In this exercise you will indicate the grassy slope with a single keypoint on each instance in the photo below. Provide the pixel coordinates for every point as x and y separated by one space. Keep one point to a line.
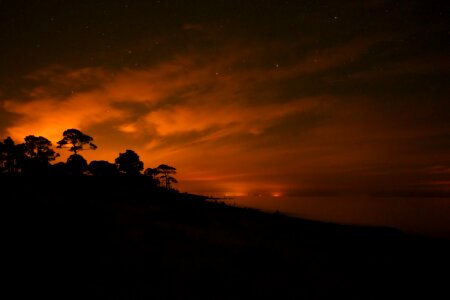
115 239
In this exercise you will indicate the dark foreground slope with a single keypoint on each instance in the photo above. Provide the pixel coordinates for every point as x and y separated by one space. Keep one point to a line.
118 239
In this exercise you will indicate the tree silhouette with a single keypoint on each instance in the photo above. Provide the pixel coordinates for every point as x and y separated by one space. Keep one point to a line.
166 174
75 139
38 153
59 169
102 168
35 155
10 156
76 164
129 163
2 157
153 174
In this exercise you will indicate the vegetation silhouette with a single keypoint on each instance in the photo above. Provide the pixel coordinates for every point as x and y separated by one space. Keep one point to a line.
153 173
102 168
108 231
36 154
166 175
129 163
10 156
76 140
59 169
76 165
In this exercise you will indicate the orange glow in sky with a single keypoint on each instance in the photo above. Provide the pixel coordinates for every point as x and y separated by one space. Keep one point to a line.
299 103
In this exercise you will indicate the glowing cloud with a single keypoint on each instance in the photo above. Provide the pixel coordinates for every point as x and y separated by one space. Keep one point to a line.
237 120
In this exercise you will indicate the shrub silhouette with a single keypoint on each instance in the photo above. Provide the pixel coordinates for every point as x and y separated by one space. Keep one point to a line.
76 164
102 168
59 169
129 163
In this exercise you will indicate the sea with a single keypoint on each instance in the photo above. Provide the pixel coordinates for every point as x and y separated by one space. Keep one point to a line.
421 216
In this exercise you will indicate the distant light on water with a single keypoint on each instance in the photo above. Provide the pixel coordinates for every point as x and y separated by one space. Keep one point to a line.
276 194
235 194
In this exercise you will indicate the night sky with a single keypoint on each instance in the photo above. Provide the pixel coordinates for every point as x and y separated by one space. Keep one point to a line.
242 97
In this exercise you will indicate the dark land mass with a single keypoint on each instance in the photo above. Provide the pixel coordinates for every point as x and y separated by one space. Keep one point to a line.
118 238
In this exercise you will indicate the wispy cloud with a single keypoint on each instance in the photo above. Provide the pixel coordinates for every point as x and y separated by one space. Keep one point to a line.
218 115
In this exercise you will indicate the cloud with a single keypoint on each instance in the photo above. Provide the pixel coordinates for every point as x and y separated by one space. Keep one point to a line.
192 26
50 116
238 115
128 128
187 93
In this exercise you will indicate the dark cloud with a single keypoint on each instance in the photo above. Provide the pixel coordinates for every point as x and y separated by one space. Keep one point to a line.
6 120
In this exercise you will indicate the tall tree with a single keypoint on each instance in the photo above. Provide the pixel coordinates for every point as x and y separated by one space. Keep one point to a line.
153 174
2 158
166 175
76 140
38 153
10 156
129 163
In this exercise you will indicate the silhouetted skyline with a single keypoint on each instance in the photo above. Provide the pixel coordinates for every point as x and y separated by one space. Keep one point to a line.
32 159
242 96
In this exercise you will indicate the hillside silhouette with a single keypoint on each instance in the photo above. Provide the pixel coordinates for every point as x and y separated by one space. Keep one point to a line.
104 230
